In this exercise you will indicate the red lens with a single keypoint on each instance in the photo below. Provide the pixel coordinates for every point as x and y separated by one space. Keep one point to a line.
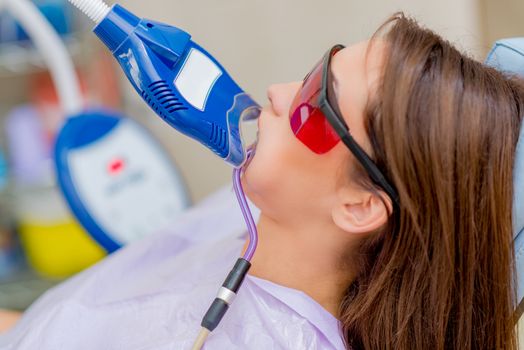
307 121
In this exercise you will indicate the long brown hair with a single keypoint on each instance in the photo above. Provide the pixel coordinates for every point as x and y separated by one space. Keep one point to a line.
444 129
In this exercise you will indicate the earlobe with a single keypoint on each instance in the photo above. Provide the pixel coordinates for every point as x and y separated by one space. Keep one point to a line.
360 215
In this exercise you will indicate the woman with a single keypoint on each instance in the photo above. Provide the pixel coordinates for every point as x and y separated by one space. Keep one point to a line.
433 271
401 234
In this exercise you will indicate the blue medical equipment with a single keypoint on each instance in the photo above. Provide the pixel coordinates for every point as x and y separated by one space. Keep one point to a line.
119 182
117 179
177 78
507 55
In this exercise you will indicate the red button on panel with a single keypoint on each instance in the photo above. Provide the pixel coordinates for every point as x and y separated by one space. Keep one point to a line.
115 166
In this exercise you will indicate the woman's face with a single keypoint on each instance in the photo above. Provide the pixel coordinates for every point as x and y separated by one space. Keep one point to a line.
286 180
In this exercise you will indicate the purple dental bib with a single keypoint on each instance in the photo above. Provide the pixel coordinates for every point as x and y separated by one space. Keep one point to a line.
152 295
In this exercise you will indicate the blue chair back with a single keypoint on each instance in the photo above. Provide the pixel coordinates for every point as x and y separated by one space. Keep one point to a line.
507 55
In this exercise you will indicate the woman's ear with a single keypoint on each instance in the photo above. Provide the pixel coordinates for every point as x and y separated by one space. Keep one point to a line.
359 211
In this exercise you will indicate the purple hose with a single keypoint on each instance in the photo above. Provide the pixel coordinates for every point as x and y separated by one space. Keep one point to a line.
244 206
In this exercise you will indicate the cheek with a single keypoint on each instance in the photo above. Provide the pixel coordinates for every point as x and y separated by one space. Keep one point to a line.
271 184
285 175
271 165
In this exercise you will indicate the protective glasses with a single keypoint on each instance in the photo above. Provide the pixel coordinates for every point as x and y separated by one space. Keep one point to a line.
318 124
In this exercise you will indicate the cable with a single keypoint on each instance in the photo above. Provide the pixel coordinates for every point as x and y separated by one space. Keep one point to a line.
234 280
94 9
244 206
201 339
53 51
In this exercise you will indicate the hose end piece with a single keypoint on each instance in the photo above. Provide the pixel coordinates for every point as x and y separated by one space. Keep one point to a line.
96 10
116 26
225 295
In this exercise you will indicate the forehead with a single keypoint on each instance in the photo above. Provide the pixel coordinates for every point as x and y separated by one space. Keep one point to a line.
356 70
356 73
364 58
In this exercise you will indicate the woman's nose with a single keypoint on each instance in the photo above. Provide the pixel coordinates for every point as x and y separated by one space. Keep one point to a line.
281 96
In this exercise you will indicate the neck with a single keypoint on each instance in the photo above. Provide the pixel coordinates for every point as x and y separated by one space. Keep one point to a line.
301 259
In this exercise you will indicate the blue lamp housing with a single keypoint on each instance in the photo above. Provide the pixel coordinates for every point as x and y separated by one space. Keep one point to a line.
180 81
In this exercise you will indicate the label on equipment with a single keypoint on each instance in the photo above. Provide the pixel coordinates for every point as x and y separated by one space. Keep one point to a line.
197 78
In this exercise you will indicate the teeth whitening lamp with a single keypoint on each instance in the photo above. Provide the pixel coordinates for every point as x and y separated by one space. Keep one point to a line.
192 92
177 78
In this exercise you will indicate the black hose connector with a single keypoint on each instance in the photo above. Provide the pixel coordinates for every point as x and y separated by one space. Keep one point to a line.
219 307
214 314
236 276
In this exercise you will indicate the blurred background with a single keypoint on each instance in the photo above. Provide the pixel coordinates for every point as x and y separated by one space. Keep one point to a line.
259 42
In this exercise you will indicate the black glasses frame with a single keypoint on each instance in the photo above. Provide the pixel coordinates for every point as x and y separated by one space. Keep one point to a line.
341 128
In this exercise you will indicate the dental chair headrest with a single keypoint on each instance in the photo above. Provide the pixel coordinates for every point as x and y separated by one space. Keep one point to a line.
507 56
